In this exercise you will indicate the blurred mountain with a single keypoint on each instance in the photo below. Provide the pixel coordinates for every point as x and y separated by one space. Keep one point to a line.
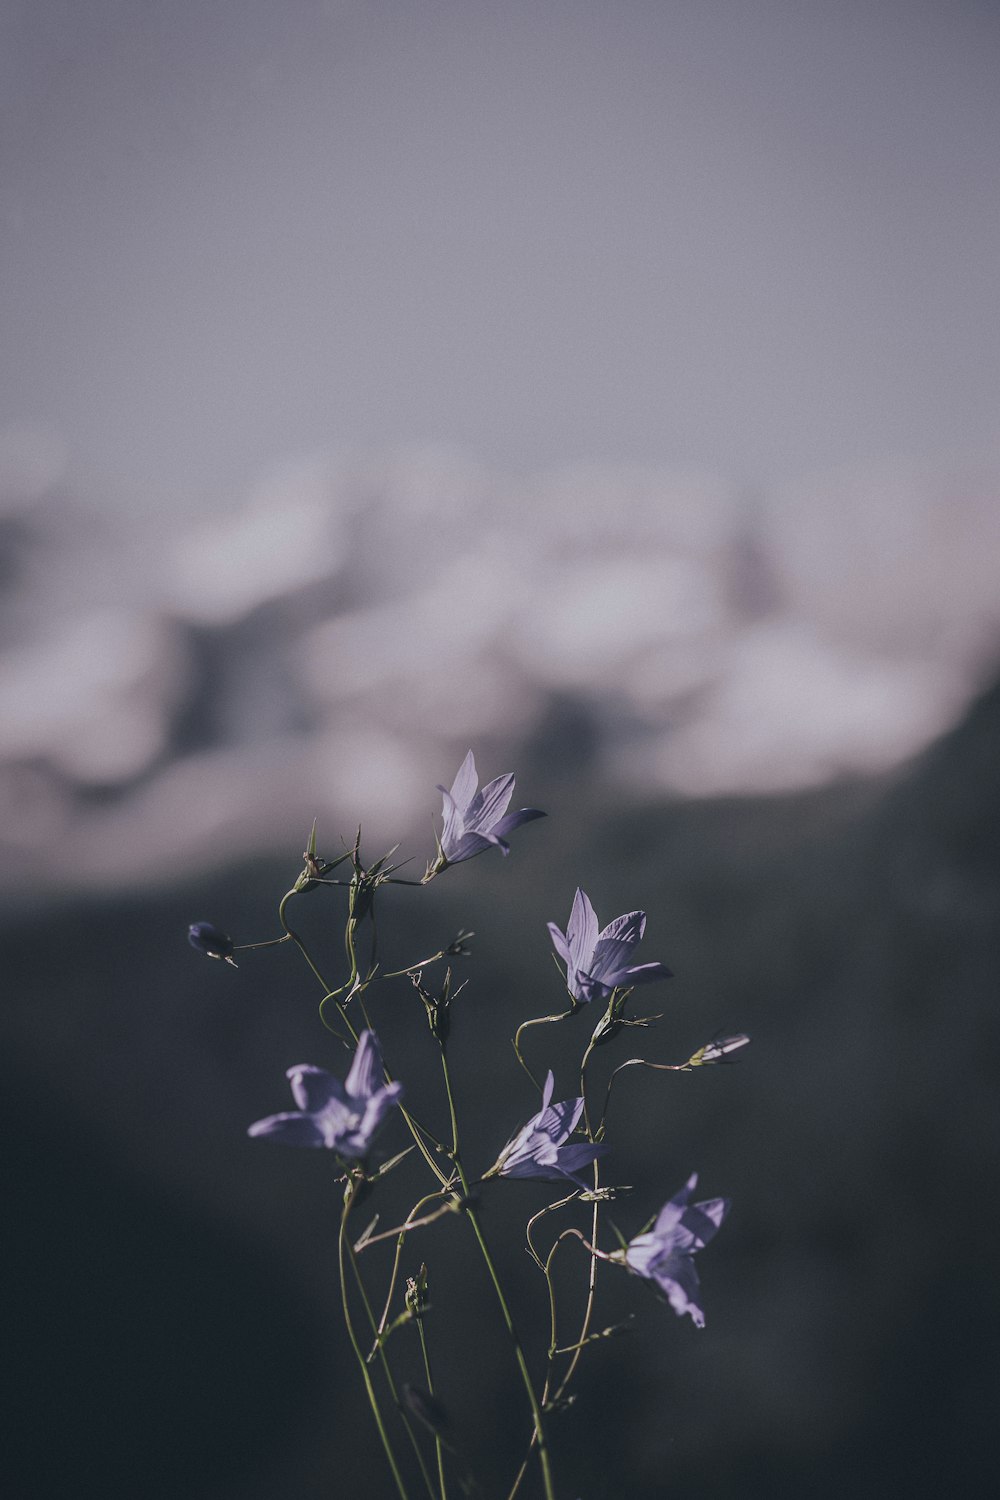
173 696
177 1331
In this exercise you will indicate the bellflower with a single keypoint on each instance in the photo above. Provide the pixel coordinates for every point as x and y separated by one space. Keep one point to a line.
598 962
540 1150
666 1254
476 820
343 1117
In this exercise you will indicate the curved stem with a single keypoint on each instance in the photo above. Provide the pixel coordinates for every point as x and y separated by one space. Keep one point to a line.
537 1021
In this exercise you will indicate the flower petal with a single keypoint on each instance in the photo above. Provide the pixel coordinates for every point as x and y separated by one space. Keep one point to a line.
670 1214
679 1279
489 806
629 927
581 930
290 1129
558 1121
463 788
464 846
366 1070
559 942
538 1161
641 1252
703 1220
613 948
638 974
571 1160
313 1088
377 1108
514 820
454 826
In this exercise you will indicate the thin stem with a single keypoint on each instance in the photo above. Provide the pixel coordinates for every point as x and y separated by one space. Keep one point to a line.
519 1356
635 1062
331 994
438 1445
537 1021
403 1229
595 1216
547 1270
412 968
395 1265
362 1366
548 1209
390 1382
267 943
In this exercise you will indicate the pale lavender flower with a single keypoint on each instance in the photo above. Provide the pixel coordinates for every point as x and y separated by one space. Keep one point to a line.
666 1254
540 1150
598 962
476 820
343 1117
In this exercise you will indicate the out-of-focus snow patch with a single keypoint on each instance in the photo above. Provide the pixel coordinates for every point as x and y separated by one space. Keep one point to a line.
375 774
893 559
93 699
292 533
588 508
587 619
440 629
788 711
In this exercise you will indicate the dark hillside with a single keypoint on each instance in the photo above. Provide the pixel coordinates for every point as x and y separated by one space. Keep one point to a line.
176 1328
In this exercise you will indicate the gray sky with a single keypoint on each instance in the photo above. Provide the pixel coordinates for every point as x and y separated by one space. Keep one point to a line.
762 237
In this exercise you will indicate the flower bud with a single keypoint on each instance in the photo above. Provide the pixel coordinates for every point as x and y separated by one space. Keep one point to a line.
719 1050
211 941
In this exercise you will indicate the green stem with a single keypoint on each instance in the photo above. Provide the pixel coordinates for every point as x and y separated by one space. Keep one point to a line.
362 1366
592 1281
546 1266
387 1371
331 994
438 1446
536 1021
522 1364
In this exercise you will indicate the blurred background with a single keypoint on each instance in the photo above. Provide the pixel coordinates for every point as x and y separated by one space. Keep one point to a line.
612 389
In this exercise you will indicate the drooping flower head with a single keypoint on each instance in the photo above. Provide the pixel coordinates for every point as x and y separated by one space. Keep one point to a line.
211 941
476 820
598 962
343 1117
666 1254
540 1150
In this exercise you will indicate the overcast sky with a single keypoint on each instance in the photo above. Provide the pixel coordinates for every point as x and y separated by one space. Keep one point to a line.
755 236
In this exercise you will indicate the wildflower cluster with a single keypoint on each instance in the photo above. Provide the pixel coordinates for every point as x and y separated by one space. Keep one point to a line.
564 1143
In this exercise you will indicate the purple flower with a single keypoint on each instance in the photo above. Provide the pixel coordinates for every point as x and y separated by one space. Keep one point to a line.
666 1254
474 820
343 1117
211 940
598 962
539 1149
